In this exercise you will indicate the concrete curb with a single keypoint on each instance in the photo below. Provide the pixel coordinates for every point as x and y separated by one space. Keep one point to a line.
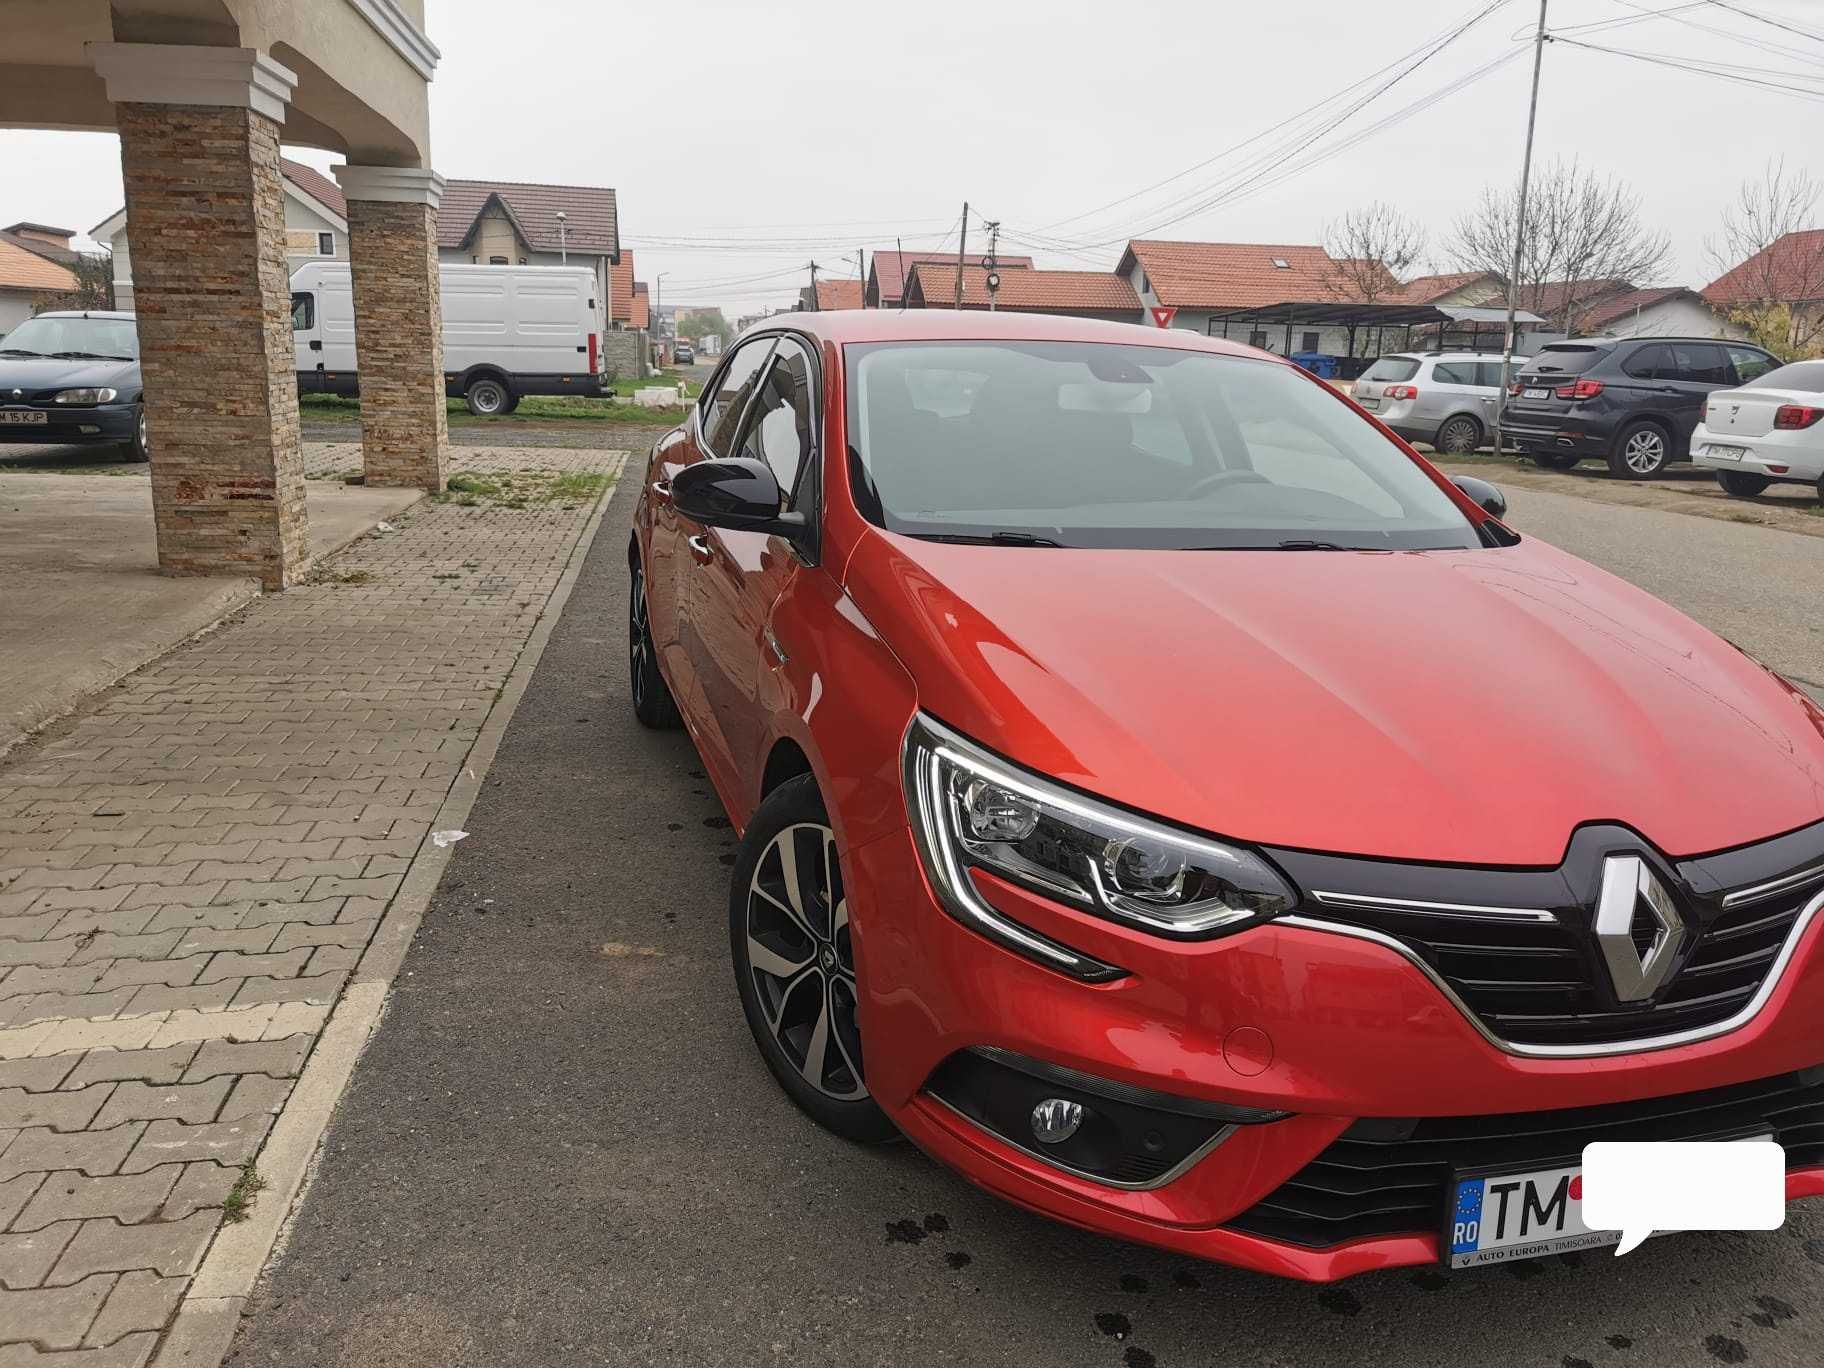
203 1330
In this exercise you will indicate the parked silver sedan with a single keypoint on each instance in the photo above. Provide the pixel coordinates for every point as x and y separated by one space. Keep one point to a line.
1446 399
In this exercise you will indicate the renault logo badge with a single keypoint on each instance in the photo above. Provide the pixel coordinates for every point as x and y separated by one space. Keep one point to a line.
1631 892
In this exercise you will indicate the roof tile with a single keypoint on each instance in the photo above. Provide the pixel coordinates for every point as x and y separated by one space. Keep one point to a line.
933 285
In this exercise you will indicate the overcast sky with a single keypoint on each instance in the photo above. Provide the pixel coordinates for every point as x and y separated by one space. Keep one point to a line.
807 129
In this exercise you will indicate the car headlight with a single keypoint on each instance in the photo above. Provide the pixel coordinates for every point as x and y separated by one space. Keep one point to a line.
971 809
85 396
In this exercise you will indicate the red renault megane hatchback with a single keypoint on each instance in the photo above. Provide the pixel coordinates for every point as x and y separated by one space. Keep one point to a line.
1175 805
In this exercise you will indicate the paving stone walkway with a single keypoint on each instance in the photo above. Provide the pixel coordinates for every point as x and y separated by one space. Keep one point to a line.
190 870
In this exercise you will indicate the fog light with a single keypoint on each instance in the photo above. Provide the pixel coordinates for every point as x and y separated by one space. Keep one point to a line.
1055 1120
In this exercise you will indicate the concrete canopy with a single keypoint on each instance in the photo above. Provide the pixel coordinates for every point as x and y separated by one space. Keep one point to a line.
362 65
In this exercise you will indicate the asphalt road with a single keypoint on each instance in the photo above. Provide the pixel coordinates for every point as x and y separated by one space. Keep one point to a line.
561 1147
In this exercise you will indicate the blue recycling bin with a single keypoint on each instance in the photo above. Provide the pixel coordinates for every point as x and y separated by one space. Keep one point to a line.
1321 364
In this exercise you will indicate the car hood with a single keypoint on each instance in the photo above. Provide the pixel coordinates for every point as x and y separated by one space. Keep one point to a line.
1453 706
30 373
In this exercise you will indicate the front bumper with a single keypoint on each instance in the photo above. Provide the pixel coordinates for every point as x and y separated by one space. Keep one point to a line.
1326 1027
69 425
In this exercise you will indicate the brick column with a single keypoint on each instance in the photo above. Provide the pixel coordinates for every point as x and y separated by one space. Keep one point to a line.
392 247
199 150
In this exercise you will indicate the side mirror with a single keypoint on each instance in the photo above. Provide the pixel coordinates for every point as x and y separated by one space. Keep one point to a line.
741 495
1487 497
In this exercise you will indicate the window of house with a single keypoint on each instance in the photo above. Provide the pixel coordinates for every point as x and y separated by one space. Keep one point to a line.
497 261
1257 338
1308 341
1281 264
326 244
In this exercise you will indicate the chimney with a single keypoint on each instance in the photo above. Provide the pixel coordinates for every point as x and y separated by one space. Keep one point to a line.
40 232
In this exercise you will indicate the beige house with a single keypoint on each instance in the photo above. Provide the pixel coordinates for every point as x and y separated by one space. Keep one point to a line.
30 271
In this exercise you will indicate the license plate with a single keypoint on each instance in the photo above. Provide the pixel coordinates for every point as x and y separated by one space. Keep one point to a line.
1519 1216
1368 403
1725 453
1536 393
22 417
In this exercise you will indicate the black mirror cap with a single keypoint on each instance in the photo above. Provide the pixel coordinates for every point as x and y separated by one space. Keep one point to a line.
739 494
1488 498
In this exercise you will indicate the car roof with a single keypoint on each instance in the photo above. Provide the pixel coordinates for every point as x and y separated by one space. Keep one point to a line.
87 313
841 326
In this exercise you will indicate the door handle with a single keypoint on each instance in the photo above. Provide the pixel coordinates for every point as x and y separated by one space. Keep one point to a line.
700 550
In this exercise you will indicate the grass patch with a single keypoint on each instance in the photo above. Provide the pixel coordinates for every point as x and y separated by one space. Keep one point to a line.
549 410
241 1197
522 489
350 577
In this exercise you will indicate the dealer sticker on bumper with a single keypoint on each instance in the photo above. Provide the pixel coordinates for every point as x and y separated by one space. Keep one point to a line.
1519 1216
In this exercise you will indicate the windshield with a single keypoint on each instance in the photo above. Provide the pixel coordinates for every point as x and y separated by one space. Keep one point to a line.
1804 376
1110 445
49 336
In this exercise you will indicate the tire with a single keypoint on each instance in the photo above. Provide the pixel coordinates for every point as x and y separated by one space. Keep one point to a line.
512 404
794 961
1642 451
1552 460
1458 435
653 704
1741 484
486 397
137 448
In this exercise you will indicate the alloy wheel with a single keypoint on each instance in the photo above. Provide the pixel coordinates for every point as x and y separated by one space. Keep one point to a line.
639 639
1460 437
802 959
144 447
1645 451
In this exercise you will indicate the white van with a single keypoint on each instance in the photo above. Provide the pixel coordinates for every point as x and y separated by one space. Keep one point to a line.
508 331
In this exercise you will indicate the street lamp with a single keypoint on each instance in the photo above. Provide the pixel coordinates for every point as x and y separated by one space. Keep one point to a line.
563 246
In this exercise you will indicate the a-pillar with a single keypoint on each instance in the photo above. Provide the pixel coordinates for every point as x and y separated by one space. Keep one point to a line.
199 149
392 248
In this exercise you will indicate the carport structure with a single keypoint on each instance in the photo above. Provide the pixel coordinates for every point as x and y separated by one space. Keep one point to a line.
1446 326
200 92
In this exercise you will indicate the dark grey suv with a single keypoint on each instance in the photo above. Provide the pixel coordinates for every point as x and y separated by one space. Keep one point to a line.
1632 401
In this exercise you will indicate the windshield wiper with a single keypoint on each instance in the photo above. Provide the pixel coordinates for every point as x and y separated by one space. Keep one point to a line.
86 356
988 539
18 351
1290 544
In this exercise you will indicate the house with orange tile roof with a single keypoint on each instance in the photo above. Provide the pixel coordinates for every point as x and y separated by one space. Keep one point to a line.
889 273
831 294
27 279
1077 294
1789 272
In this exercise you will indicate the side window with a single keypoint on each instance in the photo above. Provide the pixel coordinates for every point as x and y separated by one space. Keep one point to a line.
1701 363
1488 373
1749 363
303 312
1651 363
1454 373
722 409
779 425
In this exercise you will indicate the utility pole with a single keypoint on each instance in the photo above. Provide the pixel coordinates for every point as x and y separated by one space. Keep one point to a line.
962 245
813 307
861 274
1513 279
994 262
563 242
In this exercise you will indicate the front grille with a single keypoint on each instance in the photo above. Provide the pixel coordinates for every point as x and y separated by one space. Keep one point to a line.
1536 983
1392 1177
1521 950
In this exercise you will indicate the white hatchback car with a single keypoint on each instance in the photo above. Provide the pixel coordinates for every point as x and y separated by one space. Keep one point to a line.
1767 430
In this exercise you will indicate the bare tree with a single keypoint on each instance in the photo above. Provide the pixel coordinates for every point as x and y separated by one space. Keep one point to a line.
1371 249
1769 267
94 272
1583 237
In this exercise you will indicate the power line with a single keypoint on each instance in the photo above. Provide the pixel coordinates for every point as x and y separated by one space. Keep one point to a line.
1677 16
1695 67
1445 38
1765 19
